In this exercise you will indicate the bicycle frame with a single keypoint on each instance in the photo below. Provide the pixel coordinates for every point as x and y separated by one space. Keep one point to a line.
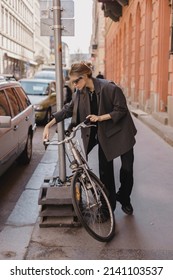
82 164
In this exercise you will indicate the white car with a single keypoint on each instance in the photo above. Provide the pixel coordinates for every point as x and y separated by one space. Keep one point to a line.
17 125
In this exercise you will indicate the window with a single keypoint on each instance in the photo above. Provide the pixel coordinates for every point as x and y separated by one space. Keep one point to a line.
23 97
171 29
2 19
14 101
171 50
4 106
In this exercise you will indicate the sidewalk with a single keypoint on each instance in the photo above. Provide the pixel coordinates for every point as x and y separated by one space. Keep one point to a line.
164 131
22 238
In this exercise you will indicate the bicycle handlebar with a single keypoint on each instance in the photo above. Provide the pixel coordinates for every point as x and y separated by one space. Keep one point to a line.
71 134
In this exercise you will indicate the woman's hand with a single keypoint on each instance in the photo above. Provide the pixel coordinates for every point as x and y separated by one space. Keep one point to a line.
94 118
46 129
46 133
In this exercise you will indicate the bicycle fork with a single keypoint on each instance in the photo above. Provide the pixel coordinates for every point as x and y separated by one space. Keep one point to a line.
89 185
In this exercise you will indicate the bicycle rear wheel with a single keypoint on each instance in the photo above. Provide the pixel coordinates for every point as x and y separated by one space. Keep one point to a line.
92 206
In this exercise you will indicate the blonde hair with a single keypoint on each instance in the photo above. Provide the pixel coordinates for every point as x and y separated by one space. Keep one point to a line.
81 68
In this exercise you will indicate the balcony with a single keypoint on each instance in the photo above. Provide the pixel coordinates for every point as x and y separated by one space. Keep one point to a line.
121 2
113 8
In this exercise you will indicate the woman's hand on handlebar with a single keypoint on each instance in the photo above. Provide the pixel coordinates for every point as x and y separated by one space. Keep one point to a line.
92 118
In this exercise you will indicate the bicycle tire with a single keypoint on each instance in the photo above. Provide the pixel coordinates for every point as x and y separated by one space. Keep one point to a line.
91 213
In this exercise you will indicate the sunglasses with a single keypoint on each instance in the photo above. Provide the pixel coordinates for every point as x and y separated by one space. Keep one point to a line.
77 80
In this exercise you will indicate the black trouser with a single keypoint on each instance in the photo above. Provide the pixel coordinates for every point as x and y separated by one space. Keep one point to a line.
126 177
106 170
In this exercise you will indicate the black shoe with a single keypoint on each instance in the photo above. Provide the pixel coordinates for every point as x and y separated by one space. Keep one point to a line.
127 208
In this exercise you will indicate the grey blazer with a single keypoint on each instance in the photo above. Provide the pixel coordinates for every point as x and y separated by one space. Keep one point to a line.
117 135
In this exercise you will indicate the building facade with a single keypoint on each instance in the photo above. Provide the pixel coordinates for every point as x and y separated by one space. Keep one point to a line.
97 48
20 40
139 52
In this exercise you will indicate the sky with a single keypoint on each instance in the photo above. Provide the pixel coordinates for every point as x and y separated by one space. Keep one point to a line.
83 27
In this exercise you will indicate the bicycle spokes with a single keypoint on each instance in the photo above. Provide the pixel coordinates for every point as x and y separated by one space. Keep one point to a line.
93 208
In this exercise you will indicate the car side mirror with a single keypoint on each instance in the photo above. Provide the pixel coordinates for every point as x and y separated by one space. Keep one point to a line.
5 121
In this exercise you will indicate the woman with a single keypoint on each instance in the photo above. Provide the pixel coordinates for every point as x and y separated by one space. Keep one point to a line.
104 103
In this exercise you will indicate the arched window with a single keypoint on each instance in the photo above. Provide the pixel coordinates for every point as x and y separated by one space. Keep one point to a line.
163 54
137 52
129 55
147 55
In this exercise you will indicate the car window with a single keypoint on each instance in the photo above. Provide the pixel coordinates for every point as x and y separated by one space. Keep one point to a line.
4 106
14 101
45 75
34 87
23 97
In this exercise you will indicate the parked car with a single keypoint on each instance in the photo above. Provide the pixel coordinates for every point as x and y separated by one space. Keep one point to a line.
46 74
17 125
42 94
48 68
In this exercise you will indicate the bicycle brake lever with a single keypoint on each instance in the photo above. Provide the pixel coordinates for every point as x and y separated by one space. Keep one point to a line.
87 121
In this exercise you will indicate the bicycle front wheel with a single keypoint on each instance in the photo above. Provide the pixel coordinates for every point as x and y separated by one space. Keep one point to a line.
92 206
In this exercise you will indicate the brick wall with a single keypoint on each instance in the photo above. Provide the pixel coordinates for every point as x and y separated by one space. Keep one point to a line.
138 53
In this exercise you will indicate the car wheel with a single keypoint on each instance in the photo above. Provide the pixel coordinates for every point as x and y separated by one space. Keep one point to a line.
26 155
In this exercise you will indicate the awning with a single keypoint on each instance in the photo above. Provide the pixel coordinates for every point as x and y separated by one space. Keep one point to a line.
15 56
18 57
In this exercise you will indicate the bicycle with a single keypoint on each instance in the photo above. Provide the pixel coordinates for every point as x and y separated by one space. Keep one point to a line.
89 195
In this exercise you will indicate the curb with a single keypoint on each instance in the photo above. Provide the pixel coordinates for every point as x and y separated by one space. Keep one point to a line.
164 131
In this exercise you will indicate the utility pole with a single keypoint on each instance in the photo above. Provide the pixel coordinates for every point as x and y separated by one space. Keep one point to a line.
59 84
56 26
60 24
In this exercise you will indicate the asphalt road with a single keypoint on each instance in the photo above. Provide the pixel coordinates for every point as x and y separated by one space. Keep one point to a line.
13 182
